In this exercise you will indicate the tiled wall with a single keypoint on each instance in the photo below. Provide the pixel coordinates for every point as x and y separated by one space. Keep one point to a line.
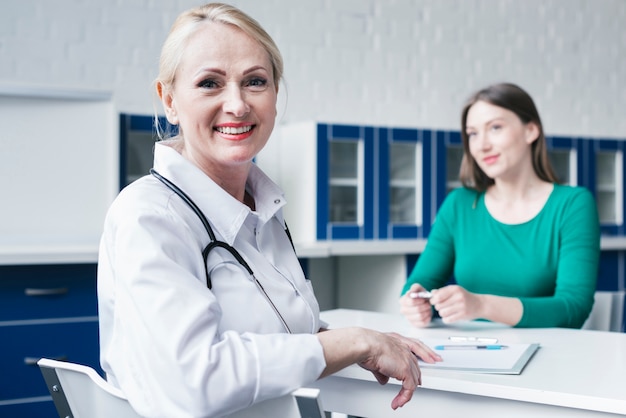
392 62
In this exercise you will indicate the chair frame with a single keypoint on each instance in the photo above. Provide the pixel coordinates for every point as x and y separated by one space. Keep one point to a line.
608 313
109 399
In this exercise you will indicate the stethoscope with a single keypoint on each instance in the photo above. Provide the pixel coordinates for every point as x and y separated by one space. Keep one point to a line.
215 243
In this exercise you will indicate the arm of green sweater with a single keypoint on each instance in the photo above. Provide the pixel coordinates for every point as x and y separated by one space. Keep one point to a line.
579 253
435 265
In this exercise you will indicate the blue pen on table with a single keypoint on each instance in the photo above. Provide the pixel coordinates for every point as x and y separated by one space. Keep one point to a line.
471 347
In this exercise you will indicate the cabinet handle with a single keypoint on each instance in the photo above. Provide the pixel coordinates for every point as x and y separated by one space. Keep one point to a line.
46 292
32 361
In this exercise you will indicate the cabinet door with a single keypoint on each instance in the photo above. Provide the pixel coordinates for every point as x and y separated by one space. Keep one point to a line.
401 183
45 311
565 158
38 408
72 341
606 178
47 291
137 137
345 182
448 155
453 158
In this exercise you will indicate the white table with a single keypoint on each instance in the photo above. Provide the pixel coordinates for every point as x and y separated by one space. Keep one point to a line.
574 374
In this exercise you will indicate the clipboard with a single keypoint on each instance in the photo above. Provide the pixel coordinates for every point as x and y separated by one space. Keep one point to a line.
510 360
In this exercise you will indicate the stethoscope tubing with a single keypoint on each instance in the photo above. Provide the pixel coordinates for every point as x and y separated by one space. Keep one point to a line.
215 243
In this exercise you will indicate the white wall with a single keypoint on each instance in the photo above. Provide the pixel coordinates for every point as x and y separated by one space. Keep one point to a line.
391 62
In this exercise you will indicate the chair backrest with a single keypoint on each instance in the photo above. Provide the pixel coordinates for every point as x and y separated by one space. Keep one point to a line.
80 392
608 312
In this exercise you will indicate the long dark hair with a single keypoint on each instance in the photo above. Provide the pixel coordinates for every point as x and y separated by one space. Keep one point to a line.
513 98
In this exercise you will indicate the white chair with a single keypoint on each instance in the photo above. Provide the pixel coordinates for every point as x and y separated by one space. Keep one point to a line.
608 312
80 392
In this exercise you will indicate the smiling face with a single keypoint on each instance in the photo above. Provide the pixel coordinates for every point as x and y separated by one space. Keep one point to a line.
223 99
499 141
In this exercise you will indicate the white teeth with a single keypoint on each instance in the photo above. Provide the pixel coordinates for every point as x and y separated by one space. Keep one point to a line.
234 131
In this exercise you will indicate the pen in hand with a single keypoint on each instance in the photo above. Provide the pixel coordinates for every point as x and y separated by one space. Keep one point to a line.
420 295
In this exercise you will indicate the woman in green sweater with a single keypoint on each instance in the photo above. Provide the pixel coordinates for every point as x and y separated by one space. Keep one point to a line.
523 249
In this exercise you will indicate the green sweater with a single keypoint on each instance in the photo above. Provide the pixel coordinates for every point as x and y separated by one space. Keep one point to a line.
550 262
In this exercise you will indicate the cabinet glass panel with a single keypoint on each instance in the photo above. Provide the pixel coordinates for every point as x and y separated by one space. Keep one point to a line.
608 186
343 204
454 156
564 165
345 190
139 154
344 160
137 138
403 182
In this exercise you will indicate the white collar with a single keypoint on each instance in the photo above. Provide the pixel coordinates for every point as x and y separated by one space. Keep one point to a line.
225 213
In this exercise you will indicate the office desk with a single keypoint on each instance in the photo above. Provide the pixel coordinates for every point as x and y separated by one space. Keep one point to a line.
573 374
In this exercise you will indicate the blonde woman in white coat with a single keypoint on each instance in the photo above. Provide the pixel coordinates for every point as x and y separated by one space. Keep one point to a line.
187 334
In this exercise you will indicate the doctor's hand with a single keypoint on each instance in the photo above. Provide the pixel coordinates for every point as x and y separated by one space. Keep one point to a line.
386 355
393 355
416 310
454 303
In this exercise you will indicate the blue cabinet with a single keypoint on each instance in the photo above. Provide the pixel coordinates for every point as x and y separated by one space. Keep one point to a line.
606 181
45 311
349 182
344 182
596 164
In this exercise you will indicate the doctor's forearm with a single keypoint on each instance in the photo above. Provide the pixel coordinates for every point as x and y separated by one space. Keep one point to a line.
343 347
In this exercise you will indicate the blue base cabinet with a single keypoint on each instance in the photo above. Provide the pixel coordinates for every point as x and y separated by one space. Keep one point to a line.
45 311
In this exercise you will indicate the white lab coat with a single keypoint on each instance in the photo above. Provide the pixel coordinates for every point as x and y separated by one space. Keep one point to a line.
176 348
